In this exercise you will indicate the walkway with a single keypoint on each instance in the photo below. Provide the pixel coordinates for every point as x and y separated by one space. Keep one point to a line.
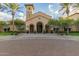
39 36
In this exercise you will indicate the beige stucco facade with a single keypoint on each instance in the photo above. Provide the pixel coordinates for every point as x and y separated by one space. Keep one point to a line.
35 19
74 16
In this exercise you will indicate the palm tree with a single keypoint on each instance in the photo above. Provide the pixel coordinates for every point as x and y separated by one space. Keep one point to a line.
66 8
67 22
76 6
10 7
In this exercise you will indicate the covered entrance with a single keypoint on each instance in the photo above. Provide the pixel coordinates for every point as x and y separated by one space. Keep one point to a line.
39 27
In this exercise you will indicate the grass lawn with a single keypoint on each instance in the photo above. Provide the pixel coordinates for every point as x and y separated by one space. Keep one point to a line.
74 34
7 33
15 33
70 33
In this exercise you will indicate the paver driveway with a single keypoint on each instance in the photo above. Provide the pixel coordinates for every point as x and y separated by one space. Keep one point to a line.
39 44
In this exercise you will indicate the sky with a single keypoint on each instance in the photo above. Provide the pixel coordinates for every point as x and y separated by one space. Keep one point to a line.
48 8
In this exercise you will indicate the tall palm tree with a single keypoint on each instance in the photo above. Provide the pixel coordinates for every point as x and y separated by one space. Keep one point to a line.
10 7
65 8
76 6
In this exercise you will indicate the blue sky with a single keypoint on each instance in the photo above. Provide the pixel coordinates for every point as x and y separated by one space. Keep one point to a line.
48 8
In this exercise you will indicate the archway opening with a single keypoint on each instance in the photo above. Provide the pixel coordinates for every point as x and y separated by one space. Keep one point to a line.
39 27
31 28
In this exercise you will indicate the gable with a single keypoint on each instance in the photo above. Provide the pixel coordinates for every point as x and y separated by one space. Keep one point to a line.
35 20
39 14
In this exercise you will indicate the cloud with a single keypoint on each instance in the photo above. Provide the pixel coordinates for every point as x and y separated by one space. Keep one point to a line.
5 16
56 12
50 7
52 11
21 16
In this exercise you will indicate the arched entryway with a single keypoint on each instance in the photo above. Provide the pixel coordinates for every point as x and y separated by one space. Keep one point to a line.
39 27
31 28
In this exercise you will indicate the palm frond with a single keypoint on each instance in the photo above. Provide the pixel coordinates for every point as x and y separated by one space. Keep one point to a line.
65 8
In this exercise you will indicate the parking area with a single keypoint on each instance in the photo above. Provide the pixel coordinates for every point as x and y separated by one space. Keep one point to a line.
39 45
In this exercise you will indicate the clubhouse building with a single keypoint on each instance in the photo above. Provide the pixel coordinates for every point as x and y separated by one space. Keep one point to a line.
38 22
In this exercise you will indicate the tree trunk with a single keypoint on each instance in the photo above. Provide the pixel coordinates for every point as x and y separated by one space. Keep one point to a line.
67 17
13 25
67 11
67 31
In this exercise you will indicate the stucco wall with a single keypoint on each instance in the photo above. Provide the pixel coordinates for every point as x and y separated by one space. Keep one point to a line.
75 17
34 21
